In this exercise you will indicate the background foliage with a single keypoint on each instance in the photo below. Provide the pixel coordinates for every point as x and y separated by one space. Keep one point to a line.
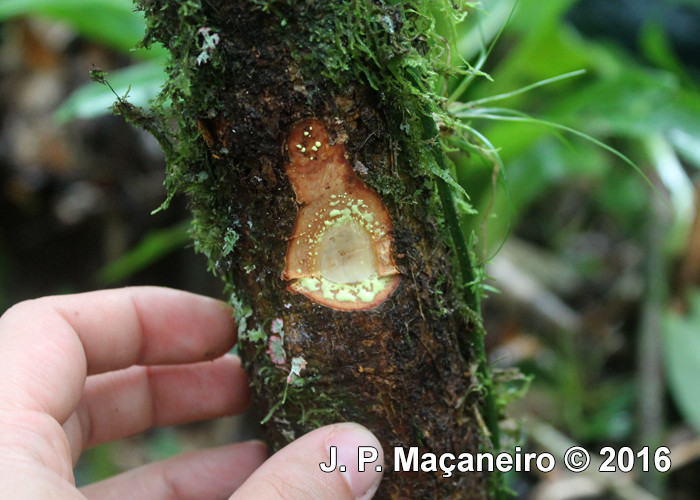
597 279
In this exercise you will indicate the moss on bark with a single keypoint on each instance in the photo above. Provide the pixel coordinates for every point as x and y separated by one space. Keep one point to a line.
242 73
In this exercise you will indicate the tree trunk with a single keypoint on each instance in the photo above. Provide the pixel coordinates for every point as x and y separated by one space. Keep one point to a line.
301 141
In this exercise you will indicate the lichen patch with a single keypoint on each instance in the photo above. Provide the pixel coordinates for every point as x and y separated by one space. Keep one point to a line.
340 251
275 349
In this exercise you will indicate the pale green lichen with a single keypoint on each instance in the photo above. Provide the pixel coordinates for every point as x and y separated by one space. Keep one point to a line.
276 350
255 335
298 364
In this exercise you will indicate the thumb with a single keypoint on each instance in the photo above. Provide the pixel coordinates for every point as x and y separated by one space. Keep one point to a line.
294 472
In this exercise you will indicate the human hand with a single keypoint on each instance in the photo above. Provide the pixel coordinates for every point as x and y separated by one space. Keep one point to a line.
80 370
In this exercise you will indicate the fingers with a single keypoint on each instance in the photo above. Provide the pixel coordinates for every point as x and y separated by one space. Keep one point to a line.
294 473
122 403
49 344
208 474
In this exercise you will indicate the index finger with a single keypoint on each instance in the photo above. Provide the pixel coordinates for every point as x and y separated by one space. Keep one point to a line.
49 345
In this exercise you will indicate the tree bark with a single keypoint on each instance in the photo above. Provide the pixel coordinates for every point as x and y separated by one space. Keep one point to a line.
246 79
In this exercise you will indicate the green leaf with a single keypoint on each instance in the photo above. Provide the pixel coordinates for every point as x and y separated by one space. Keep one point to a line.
142 81
681 338
681 192
515 116
540 46
635 103
657 47
446 176
687 145
153 247
112 22
522 90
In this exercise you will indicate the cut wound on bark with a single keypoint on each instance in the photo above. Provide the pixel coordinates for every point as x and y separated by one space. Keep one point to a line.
340 251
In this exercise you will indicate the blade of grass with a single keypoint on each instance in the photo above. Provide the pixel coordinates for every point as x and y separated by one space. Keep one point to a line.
527 88
502 176
487 114
473 41
462 87
113 22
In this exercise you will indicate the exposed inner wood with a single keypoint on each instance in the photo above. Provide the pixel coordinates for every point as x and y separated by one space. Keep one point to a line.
340 253
347 254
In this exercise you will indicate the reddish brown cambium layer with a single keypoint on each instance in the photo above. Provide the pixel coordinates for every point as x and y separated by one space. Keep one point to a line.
339 254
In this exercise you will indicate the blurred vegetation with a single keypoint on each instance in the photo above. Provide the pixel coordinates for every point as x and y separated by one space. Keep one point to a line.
598 271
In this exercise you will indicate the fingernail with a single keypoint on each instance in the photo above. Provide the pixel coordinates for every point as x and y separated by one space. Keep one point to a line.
348 438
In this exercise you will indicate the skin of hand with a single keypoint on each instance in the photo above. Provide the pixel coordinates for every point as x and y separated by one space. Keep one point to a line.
80 370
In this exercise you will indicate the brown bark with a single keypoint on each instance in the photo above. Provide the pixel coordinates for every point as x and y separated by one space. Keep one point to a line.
402 368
